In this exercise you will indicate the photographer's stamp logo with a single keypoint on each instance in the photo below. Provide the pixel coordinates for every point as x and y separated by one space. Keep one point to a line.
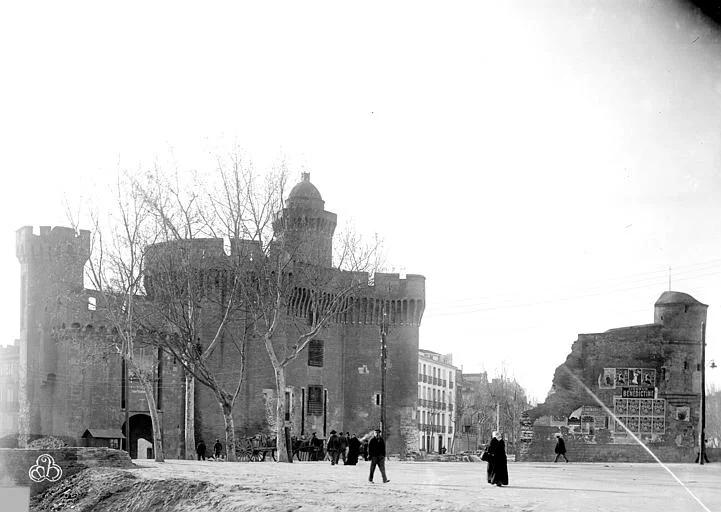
45 469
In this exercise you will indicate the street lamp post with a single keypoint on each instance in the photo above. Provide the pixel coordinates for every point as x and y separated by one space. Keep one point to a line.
384 357
702 419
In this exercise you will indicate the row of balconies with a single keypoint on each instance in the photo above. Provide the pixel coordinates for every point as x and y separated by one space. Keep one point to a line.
427 427
433 404
434 380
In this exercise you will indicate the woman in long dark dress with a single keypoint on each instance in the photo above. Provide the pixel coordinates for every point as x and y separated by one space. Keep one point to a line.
497 463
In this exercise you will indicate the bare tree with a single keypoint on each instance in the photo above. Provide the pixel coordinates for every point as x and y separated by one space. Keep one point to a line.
713 415
115 270
195 290
288 299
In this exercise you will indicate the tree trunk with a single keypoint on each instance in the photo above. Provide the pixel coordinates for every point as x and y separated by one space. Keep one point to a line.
157 434
229 431
189 416
280 416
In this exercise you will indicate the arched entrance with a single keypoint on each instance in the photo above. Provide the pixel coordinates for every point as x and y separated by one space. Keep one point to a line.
141 427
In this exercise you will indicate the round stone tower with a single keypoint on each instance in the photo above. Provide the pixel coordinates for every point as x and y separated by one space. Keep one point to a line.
304 230
681 315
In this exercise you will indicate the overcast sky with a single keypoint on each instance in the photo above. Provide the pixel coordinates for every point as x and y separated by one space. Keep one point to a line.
541 163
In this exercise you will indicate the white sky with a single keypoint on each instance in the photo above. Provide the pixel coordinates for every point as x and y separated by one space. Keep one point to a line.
541 163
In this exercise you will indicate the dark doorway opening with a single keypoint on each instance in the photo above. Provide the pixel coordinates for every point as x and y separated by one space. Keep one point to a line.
141 427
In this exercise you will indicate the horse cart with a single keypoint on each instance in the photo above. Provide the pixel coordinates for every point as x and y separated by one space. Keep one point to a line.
256 448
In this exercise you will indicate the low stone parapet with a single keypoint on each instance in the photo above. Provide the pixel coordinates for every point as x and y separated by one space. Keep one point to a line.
39 469
543 451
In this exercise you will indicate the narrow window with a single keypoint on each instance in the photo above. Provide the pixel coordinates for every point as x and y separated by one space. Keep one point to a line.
315 353
315 400
159 384
378 398
92 304
302 411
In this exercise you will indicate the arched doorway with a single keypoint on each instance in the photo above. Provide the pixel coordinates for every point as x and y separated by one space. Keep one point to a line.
141 427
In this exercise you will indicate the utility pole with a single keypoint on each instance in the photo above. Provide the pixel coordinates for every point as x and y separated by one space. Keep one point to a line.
702 419
384 356
498 416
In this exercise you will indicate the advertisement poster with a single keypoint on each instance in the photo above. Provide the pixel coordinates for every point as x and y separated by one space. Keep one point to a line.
683 413
621 377
648 377
607 379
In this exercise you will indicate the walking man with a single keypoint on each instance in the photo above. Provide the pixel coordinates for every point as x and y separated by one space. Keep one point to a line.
377 454
217 449
560 448
333 448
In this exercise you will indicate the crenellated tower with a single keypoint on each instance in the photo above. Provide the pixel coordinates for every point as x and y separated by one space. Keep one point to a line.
51 270
304 229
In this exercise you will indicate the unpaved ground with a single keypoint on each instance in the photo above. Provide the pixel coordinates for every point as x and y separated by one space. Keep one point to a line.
317 486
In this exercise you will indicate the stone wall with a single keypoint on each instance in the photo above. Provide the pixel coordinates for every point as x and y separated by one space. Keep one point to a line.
15 464
645 375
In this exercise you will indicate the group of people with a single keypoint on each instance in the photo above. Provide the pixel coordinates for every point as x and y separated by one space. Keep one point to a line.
217 450
344 447
347 448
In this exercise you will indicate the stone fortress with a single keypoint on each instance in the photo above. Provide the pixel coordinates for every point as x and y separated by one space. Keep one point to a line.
334 384
648 376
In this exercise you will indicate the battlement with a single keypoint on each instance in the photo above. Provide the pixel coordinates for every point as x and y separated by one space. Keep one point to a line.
414 285
53 244
388 298
203 252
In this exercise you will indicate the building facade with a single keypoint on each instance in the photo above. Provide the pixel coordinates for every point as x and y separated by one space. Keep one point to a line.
334 384
437 379
626 386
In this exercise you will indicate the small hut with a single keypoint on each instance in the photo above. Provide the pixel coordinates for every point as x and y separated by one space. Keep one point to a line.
103 438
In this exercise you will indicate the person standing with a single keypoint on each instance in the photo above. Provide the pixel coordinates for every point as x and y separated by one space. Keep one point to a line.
560 448
497 471
200 449
343 443
354 445
317 448
333 448
217 449
377 454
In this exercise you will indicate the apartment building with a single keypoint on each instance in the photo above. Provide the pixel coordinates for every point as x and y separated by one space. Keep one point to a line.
436 401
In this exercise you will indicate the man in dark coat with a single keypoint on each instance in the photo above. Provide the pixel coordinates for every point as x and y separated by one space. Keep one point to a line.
354 446
217 449
317 445
497 471
333 448
560 448
377 454
343 442
200 449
